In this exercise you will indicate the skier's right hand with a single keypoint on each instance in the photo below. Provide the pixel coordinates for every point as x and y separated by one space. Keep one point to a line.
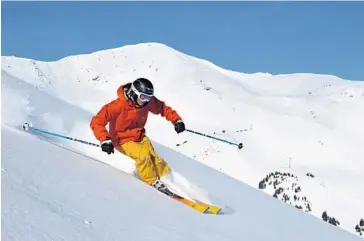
107 146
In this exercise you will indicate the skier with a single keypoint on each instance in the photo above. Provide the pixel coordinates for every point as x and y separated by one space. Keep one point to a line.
127 116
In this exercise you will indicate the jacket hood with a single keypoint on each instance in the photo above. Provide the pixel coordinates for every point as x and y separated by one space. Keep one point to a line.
120 92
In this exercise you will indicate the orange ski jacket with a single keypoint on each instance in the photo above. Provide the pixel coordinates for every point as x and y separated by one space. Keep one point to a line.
126 122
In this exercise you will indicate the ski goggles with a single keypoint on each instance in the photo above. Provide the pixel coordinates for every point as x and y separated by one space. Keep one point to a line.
142 96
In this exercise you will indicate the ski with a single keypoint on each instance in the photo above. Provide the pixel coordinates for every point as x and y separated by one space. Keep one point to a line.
194 205
210 208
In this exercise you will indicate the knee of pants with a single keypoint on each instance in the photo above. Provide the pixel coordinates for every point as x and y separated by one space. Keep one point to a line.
144 155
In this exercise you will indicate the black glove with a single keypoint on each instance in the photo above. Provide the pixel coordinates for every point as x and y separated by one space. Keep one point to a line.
179 126
107 146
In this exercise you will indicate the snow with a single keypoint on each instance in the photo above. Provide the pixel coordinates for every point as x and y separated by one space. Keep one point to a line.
297 123
52 194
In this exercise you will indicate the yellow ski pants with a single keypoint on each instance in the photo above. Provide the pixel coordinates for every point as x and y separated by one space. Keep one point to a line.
148 164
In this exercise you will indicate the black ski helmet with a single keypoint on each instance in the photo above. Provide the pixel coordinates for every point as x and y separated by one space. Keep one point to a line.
141 88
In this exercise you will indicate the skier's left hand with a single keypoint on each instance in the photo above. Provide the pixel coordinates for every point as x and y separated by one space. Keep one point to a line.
179 126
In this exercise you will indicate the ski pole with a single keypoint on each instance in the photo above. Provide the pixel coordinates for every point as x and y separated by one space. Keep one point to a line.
26 127
240 145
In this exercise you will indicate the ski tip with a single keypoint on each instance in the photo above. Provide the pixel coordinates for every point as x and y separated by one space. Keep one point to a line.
214 210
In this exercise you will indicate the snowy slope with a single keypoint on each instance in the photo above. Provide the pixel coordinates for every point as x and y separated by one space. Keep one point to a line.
299 123
52 194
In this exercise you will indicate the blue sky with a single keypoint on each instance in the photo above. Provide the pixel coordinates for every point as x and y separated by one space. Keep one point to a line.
274 37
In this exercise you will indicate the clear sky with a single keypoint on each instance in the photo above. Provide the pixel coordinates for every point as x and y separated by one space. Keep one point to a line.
274 37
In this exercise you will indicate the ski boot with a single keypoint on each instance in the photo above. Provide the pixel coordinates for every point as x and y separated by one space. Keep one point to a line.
159 185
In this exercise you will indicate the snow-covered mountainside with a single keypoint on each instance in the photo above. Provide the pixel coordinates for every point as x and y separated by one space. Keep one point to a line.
49 193
302 134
